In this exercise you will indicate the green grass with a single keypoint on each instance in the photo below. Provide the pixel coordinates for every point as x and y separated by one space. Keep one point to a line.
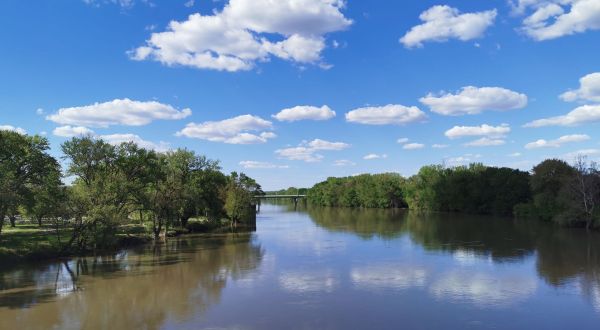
31 242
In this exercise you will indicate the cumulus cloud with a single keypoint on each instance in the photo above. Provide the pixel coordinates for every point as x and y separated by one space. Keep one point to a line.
483 130
232 131
391 114
403 140
589 89
441 23
551 19
343 162
71 131
485 142
251 164
117 112
13 129
246 32
307 151
375 156
582 115
558 142
472 100
413 146
305 112
116 139
318 144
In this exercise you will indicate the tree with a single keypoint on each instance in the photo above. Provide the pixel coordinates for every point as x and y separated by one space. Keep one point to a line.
582 193
239 193
24 163
548 180
46 198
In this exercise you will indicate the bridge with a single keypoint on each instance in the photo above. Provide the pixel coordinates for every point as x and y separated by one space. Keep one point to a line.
294 198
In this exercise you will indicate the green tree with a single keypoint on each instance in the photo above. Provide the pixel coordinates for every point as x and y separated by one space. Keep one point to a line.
24 163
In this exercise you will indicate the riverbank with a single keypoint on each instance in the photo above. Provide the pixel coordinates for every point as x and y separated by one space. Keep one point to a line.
30 243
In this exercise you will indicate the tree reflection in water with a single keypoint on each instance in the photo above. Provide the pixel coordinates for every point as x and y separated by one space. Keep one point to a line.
131 290
563 256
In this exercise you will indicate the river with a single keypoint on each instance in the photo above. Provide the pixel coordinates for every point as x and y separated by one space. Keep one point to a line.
325 268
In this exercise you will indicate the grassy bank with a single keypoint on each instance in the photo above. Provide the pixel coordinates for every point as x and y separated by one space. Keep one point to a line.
28 242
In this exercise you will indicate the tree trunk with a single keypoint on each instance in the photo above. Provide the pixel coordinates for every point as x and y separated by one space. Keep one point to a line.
2 215
13 221
39 221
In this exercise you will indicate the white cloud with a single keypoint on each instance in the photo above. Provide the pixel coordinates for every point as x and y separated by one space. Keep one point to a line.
307 151
473 100
343 162
439 146
116 139
318 144
117 112
375 156
403 140
251 164
232 131
551 19
558 142
40 111
71 131
246 32
300 153
441 23
485 142
305 112
584 114
391 114
189 3
13 129
589 89
483 130
516 154
413 146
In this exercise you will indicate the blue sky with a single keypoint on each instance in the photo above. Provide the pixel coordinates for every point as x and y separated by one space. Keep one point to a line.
505 83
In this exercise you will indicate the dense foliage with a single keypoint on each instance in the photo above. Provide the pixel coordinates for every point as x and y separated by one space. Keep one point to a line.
565 194
112 186
371 191
471 189
554 191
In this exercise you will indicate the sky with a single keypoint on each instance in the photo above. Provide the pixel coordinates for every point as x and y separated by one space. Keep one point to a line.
294 91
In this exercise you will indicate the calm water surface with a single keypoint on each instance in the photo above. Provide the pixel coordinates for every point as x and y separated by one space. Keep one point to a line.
325 269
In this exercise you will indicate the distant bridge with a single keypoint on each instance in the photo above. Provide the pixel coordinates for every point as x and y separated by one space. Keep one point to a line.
279 196
294 198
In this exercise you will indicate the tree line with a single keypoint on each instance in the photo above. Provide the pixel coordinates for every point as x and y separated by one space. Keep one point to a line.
553 191
114 185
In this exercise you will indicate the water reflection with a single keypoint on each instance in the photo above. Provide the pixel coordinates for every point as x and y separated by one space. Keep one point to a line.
563 256
322 280
483 289
138 289
388 276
